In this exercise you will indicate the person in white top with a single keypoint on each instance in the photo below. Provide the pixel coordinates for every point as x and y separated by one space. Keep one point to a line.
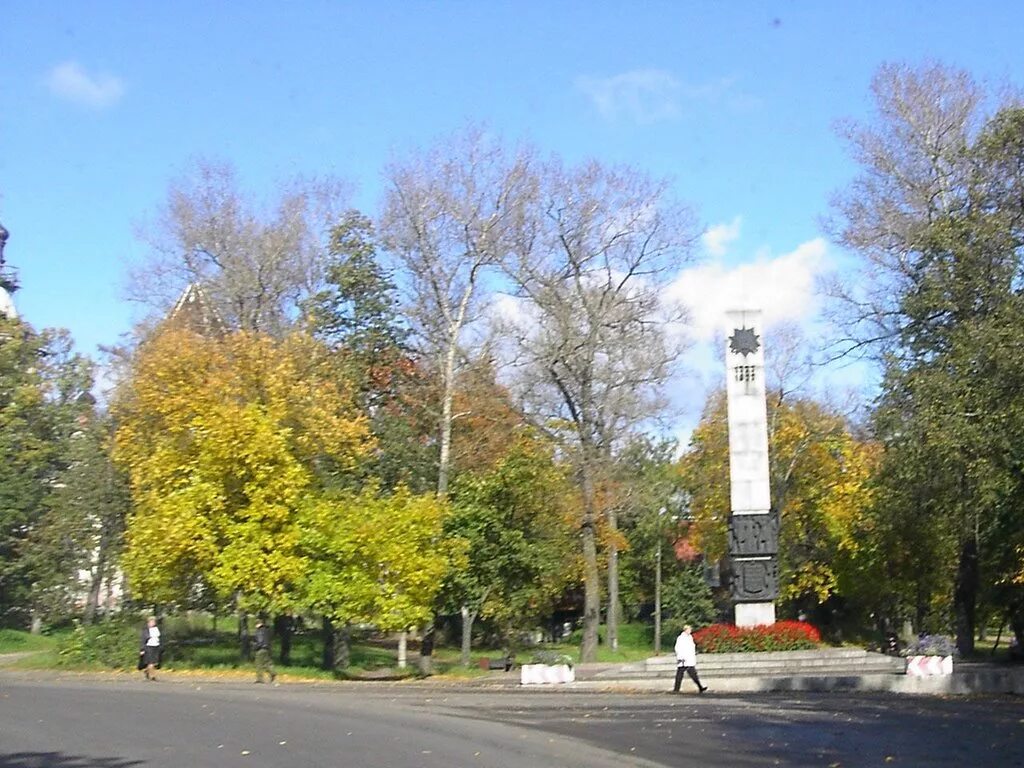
686 659
150 650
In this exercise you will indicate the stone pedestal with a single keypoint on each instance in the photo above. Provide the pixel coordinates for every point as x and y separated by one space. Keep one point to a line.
753 527
755 614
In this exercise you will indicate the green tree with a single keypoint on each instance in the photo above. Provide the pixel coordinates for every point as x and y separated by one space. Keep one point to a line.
516 520
74 549
936 215
688 599
41 385
649 497
357 314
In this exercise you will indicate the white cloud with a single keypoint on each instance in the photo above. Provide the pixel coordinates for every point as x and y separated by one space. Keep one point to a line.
651 95
643 95
717 239
783 287
70 81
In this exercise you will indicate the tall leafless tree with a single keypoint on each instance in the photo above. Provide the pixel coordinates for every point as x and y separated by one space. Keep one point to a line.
447 214
592 346
914 169
257 264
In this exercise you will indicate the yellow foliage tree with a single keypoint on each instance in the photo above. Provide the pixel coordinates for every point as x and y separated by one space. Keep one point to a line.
820 483
376 558
224 438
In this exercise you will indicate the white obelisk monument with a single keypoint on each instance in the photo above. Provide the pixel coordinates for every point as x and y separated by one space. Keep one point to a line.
753 526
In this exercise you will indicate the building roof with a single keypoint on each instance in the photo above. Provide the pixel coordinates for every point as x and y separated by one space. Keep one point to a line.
195 312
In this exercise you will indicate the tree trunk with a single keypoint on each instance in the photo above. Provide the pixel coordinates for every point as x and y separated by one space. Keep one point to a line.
657 594
342 648
468 617
447 396
403 644
1016 620
613 581
427 650
965 596
591 576
327 637
244 646
283 626
95 588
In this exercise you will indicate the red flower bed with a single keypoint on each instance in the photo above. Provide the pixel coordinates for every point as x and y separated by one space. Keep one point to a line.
780 636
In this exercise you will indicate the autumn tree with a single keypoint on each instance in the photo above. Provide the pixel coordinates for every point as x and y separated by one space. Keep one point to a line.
223 439
445 220
488 423
820 476
257 263
373 558
591 344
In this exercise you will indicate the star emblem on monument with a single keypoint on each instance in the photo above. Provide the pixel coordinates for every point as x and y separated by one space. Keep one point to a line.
744 341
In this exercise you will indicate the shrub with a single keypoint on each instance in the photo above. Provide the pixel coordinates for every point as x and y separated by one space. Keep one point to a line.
930 645
687 598
781 636
552 658
113 644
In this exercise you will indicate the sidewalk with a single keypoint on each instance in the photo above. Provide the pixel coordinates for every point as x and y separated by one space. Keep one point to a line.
967 678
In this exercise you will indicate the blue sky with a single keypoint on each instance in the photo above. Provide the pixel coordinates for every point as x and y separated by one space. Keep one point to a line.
102 103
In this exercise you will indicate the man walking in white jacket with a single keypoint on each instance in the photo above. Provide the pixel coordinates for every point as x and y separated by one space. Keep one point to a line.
686 659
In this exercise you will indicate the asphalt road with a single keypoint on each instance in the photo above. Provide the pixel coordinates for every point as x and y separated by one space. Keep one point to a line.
73 723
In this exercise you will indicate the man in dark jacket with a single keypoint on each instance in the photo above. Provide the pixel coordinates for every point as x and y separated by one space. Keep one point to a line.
264 665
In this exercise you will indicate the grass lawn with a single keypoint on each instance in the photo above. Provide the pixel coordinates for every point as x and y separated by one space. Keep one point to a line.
200 648
41 649
195 643
15 641
636 643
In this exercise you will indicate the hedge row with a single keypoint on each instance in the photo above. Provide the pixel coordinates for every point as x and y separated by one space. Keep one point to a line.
780 636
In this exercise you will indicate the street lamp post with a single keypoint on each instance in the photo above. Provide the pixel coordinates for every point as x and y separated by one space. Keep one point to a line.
657 587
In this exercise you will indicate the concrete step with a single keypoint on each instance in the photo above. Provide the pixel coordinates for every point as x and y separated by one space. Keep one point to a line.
817 654
753 672
823 662
990 680
883 663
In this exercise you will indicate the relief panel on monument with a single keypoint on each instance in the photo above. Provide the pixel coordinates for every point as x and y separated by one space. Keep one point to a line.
755 580
751 535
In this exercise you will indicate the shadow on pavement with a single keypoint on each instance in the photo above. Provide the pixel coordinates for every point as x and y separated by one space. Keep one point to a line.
61 760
